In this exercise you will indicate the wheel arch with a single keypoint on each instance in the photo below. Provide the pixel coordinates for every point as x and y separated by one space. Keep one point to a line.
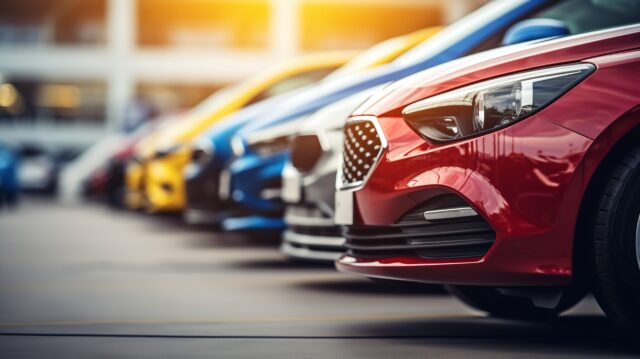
606 150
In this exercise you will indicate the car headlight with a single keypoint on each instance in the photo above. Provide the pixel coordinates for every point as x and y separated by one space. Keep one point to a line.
491 104
268 147
202 151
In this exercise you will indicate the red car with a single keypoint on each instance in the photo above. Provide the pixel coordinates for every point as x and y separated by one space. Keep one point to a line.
512 175
107 182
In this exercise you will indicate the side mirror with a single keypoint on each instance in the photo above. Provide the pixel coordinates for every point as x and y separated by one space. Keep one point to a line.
535 29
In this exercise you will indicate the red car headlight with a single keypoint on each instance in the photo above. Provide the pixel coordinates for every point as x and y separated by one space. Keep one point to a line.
491 104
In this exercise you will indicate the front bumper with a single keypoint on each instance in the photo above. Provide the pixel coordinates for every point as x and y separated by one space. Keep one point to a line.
312 247
312 235
204 206
249 223
164 185
521 180
309 195
252 185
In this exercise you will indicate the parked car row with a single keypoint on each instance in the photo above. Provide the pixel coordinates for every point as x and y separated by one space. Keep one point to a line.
499 156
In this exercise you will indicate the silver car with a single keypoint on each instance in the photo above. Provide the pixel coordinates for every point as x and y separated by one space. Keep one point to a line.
308 184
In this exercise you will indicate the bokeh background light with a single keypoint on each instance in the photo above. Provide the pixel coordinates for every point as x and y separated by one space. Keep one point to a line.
70 70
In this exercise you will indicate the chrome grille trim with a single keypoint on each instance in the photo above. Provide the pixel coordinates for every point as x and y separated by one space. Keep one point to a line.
363 145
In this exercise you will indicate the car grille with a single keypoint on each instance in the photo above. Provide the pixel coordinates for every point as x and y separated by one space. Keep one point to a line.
306 151
202 191
362 146
414 236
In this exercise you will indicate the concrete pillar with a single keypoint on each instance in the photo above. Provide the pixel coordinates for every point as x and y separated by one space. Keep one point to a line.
121 30
285 28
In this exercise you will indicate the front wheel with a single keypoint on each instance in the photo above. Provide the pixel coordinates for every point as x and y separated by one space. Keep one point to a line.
615 242
536 303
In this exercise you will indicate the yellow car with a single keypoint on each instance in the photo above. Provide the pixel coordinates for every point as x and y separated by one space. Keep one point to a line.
162 175
134 198
167 142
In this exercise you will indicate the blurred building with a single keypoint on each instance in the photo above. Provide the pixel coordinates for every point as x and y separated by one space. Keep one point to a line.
71 69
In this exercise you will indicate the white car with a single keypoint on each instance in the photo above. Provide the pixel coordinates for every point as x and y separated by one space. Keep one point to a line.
308 181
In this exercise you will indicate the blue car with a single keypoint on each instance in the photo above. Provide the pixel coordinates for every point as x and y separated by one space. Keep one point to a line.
252 181
9 187
210 153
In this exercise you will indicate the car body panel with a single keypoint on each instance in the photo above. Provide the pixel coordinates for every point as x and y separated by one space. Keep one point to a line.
236 97
202 179
450 43
169 167
526 180
134 188
501 61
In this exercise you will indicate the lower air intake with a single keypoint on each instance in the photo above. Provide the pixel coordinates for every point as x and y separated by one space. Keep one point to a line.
453 230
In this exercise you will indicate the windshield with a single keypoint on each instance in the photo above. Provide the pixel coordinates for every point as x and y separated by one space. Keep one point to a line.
588 15
578 15
459 31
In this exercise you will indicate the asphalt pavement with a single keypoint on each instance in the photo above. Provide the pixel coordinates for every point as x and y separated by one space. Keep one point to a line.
86 281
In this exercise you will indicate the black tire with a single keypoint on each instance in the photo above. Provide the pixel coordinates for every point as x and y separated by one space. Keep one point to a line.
518 303
614 242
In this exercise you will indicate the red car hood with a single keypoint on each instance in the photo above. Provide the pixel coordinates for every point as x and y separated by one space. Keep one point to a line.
498 62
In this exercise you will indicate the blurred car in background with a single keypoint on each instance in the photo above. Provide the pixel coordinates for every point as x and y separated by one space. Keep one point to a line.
77 174
74 176
106 181
513 176
253 180
213 150
39 167
164 158
9 186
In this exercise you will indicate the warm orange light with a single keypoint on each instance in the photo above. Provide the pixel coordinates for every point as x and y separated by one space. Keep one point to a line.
359 24
217 23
